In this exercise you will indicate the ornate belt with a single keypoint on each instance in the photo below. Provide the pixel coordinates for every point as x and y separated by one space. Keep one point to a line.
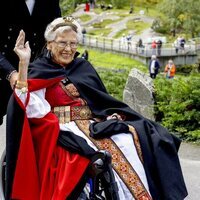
70 113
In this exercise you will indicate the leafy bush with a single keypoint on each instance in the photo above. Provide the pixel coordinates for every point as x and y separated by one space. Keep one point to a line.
160 27
178 104
186 69
114 80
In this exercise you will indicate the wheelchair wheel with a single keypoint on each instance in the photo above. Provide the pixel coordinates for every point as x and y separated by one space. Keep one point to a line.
101 184
102 181
2 175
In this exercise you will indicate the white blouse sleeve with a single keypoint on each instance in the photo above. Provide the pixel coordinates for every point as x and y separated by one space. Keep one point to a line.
37 106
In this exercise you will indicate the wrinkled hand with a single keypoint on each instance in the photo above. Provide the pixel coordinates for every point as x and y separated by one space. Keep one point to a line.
22 49
114 116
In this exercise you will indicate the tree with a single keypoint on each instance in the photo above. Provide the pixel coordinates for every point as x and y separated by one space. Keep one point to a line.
182 15
192 17
118 3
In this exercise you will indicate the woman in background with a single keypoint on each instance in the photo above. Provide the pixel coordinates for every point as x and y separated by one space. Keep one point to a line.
170 70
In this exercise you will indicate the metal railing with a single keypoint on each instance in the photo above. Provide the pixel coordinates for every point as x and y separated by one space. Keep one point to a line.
131 47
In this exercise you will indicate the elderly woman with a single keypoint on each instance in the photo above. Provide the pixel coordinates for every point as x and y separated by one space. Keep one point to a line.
61 114
154 67
170 69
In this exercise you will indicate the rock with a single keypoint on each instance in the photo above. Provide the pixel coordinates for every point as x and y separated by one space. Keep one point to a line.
138 93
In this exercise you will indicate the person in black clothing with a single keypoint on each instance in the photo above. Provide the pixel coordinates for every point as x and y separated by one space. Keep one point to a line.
84 32
153 67
85 55
32 16
182 44
140 46
159 46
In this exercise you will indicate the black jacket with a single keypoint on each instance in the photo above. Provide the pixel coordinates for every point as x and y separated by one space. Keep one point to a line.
15 16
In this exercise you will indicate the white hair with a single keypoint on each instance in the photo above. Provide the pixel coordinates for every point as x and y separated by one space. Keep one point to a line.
61 24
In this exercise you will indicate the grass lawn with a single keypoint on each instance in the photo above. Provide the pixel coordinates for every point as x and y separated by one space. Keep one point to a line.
113 69
113 61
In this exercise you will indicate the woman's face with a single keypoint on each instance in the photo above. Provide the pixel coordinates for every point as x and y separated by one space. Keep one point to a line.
63 48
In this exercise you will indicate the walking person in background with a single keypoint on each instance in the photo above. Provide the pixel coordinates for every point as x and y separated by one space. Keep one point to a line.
84 32
87 6
176 45
123 41
131 9
182 44
129 38
32 16
140 46
85 54
153 46
159 46
170 69
92 4
153 67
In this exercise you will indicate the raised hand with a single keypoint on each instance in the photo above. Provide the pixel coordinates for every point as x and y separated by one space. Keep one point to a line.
22 49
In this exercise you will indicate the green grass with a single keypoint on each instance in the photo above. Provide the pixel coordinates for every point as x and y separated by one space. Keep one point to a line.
120 33
113 69
110 60
137 26
85 18
103 32
104 23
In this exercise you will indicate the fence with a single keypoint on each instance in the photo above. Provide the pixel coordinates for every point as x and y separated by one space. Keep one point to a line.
131 47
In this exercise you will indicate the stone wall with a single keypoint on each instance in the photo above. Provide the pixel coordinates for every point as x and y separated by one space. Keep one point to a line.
138 93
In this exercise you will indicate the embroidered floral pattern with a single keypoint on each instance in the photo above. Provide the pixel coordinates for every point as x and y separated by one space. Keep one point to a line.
72 90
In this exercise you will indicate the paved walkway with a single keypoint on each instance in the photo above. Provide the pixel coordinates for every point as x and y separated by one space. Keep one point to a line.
190 161
189 158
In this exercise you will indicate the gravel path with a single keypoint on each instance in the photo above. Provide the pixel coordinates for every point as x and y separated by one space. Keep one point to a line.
115 26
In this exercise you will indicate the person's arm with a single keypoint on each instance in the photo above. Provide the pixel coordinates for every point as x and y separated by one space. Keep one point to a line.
37 106
5 66
23 51
7 71
166 69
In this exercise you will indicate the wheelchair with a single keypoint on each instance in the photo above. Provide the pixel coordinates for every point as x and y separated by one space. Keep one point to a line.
100 185
2 175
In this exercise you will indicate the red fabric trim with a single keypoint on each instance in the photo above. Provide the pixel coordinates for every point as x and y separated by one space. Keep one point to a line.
36 84
25 184
45 171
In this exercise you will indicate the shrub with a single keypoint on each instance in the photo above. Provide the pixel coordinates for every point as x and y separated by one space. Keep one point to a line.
178 104
186 69
114 80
